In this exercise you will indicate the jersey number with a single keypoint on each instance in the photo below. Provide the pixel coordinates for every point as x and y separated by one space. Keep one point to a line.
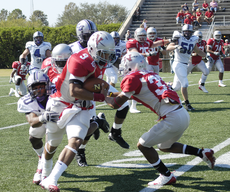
37 53
188 48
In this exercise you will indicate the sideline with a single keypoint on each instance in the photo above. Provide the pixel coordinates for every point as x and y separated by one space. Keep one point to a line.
180 171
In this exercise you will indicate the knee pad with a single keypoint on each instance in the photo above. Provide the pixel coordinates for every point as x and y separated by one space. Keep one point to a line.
71 149
18 80
35 141
122 113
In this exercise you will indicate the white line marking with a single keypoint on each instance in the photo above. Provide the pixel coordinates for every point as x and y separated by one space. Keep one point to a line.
4 96
5 85
11 103
218 101
12 126
188 166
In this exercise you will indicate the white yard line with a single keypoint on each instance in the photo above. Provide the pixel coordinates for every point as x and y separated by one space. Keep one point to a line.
188 166
11 103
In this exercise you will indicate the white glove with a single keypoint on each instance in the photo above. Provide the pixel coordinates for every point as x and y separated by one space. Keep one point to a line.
216 53
11 80
210 59
160 48
48 116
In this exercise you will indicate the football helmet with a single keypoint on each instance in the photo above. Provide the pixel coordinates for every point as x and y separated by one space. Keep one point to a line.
60 55
152 33
115 35
199 35
38 38
84 29
132 62
38 78
187 31
217 35
101 47
140 35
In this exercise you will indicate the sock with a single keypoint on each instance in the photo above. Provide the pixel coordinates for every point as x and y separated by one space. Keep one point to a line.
192 151
220 81
82 146
161 168
117 126
57 171
134 104
186 102
39 151
47 167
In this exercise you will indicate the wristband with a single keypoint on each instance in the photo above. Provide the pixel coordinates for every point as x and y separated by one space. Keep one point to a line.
110 94
98 97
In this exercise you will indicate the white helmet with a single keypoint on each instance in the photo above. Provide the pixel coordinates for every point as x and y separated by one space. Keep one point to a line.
84 29
140 35
187 31
60 55
131 62
115 35
151 33
100 44
199 35
217 35
38 38
36 78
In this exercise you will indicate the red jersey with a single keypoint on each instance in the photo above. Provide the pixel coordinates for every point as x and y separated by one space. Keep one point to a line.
226 44
154 60
193 18
197 59
180 15
209 14
150 90
48 70
79 67
205 5
215 46
21 70
142 48
188 21
198 14
188 14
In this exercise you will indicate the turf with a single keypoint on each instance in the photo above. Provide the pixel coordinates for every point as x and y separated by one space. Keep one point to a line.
209 126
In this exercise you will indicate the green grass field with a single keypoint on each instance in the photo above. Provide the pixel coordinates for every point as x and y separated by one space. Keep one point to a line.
113 169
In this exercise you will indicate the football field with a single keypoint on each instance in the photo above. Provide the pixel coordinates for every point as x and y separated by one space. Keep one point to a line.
114 169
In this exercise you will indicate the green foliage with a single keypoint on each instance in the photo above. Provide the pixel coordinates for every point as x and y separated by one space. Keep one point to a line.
39 16
13 39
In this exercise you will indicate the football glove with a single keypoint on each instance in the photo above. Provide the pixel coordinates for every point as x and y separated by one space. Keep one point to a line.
48 116
22 61
216 53
181 49
151 53
11 80
160 48
210 59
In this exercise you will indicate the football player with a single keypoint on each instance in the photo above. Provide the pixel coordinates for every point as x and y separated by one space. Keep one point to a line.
215 50
38 49
183 45
74 102
146 47
112 71
148 88
196 60
84 30
33 105
18 76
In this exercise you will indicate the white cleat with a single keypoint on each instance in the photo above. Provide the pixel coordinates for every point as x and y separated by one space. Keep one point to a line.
37 177
133 110
16 94
202 88
221 85
163 180
49 185
208 157
11 92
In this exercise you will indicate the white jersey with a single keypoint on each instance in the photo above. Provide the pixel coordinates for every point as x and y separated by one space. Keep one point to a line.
76 47
120 49
38 53
188 46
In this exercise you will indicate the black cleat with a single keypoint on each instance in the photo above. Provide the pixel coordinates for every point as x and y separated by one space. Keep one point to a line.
115 135
80 157
102 123
189 107
96 134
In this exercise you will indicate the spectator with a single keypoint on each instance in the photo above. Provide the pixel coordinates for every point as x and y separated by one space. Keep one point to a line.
195 5
198 16
226 48
184 7
187 13
208 16
128 35
214 6
145 24
180 17
142 25
188 20
137 13
194 20
205 6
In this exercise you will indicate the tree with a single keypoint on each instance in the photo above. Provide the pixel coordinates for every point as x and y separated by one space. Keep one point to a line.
3 15
101 13
16 14
39 16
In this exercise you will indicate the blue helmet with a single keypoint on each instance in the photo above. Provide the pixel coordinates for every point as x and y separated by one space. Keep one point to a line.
38 38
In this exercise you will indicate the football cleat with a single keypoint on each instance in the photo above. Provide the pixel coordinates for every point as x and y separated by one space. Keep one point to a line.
11 92
221 85
102 123
81 159
96 134
134 110
163 180
50 186
37 177
189 107
202 88
115 135
208 157
17 94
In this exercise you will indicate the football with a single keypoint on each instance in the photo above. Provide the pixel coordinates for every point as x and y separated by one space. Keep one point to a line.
94 84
